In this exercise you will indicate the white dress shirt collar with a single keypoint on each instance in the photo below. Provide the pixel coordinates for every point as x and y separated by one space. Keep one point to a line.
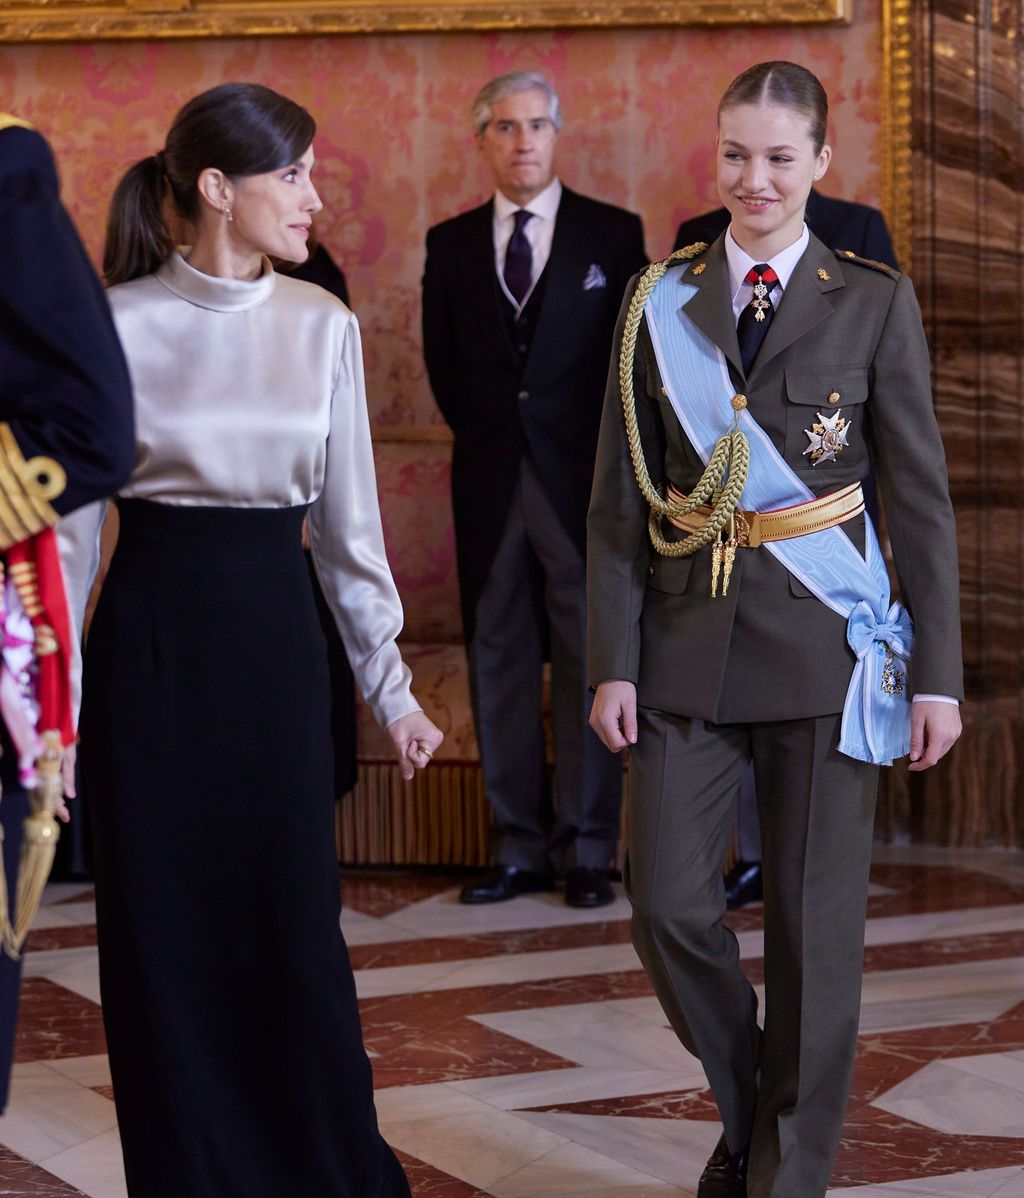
544 205
740 262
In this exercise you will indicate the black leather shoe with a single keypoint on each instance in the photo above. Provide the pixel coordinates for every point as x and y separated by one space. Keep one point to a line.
505 882
725 1175
744 884
588 888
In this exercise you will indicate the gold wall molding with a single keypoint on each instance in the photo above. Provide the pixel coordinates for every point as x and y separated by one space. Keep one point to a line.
82 20
896 126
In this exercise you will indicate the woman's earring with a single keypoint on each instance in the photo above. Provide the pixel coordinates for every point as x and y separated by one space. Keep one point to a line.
227 212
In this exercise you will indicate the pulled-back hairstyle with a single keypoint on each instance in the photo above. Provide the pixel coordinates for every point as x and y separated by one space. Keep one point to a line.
239 128
507 85
784 83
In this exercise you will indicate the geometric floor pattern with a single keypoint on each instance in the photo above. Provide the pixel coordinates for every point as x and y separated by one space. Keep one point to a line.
519 1052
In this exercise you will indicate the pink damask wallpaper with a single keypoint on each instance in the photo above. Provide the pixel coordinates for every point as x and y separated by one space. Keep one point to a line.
396 153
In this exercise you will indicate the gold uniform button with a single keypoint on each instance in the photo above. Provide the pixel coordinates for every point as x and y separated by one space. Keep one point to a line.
664 392
834 397
739 402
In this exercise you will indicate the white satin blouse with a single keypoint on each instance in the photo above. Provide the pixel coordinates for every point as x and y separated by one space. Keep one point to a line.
251 394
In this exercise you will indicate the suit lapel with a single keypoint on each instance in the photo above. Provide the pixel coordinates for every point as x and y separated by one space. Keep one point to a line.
478 269
566 269
804 305
711 308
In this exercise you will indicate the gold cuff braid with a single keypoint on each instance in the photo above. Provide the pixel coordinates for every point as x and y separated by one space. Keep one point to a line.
26 489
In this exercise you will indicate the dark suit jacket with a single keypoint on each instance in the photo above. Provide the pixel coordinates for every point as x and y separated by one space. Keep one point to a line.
770 650
840 224
64 385
501 404
321 269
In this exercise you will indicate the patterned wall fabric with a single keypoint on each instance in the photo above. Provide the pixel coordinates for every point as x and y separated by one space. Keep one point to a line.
396 154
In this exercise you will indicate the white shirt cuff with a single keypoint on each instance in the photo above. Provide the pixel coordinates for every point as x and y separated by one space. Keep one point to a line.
936 699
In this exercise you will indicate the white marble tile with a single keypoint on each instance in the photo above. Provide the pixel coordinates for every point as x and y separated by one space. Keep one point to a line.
94 1167
358 928
576 1172
478 1148
496 971
970 1096
1013 1187
31 1078
42 1122
412 1104
444 915
980 1183
939 995
604 1035
673 1150
60 892
586 1084
86 1071
76 969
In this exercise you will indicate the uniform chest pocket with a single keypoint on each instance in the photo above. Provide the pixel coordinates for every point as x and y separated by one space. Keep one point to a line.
825 416
670 575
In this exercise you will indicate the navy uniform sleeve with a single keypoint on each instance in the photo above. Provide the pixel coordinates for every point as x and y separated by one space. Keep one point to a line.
66 428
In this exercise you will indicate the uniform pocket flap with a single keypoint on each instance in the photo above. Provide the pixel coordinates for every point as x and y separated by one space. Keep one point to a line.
827 386
669 574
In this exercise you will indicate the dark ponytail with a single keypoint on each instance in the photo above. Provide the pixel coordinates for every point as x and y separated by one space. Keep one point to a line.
239 128
138 236
787 84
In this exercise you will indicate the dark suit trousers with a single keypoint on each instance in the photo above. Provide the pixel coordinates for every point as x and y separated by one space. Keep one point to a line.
535 599
785 1091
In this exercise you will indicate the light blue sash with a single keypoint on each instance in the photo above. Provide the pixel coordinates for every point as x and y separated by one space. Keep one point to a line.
876 717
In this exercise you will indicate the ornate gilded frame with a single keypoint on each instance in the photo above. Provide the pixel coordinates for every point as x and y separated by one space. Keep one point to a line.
897 102
89 20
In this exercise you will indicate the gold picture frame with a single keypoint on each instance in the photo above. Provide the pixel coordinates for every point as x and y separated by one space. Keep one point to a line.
89 20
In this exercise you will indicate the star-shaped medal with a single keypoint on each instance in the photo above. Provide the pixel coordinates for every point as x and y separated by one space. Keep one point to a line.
828 437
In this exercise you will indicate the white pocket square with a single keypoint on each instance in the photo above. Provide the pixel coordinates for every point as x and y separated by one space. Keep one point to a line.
594 278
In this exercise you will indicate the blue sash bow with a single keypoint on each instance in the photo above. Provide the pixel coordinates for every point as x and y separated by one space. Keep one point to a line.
876 716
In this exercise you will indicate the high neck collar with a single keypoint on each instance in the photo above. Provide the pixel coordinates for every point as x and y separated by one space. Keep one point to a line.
213 292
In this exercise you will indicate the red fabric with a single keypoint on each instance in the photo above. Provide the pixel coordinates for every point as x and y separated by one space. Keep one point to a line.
54 681
761 274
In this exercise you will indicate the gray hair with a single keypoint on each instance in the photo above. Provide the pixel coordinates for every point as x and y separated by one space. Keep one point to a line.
507 85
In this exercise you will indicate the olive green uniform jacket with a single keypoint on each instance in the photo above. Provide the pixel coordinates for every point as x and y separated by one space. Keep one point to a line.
770 650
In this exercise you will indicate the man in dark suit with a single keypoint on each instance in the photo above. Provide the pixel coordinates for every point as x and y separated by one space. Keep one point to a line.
843 225
520 298
66 427
839 224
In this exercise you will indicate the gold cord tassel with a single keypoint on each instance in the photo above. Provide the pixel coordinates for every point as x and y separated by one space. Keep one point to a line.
38 845
725 476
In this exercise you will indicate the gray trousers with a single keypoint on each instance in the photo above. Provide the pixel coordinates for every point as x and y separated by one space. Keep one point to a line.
785 1091
535 600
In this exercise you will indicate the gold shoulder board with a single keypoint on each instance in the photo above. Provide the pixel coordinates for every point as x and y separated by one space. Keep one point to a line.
12 122
870 263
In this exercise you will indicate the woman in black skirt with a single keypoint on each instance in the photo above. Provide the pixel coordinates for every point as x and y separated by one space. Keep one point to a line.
228 998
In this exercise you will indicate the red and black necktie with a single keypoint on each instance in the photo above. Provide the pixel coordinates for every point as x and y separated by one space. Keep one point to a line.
757 315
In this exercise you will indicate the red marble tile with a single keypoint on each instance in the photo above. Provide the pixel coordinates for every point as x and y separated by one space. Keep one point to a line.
676 1104
106 1091
923 888
26 1180
55 1023
428 1182
78 936
878 1147
381 894
496 944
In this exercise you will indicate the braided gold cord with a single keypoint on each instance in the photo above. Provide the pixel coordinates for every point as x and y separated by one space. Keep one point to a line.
724 477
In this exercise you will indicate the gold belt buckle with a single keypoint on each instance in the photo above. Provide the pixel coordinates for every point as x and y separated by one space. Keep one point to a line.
748 529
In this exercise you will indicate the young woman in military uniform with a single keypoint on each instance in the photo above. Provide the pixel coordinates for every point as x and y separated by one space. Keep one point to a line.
751 621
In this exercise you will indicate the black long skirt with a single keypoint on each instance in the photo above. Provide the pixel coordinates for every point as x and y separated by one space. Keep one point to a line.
235 1046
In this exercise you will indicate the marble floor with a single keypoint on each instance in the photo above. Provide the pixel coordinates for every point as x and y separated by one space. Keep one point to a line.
519 1052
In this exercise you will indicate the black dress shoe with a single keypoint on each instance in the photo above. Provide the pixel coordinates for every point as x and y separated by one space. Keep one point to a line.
505 882
725 1175
588 888
744 884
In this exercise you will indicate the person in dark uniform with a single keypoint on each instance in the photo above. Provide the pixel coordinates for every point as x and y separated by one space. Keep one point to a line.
66 430
740 611
519 303
839 224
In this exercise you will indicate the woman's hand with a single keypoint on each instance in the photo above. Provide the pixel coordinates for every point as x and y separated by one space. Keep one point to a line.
416 739
613 715
67 775
934 729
